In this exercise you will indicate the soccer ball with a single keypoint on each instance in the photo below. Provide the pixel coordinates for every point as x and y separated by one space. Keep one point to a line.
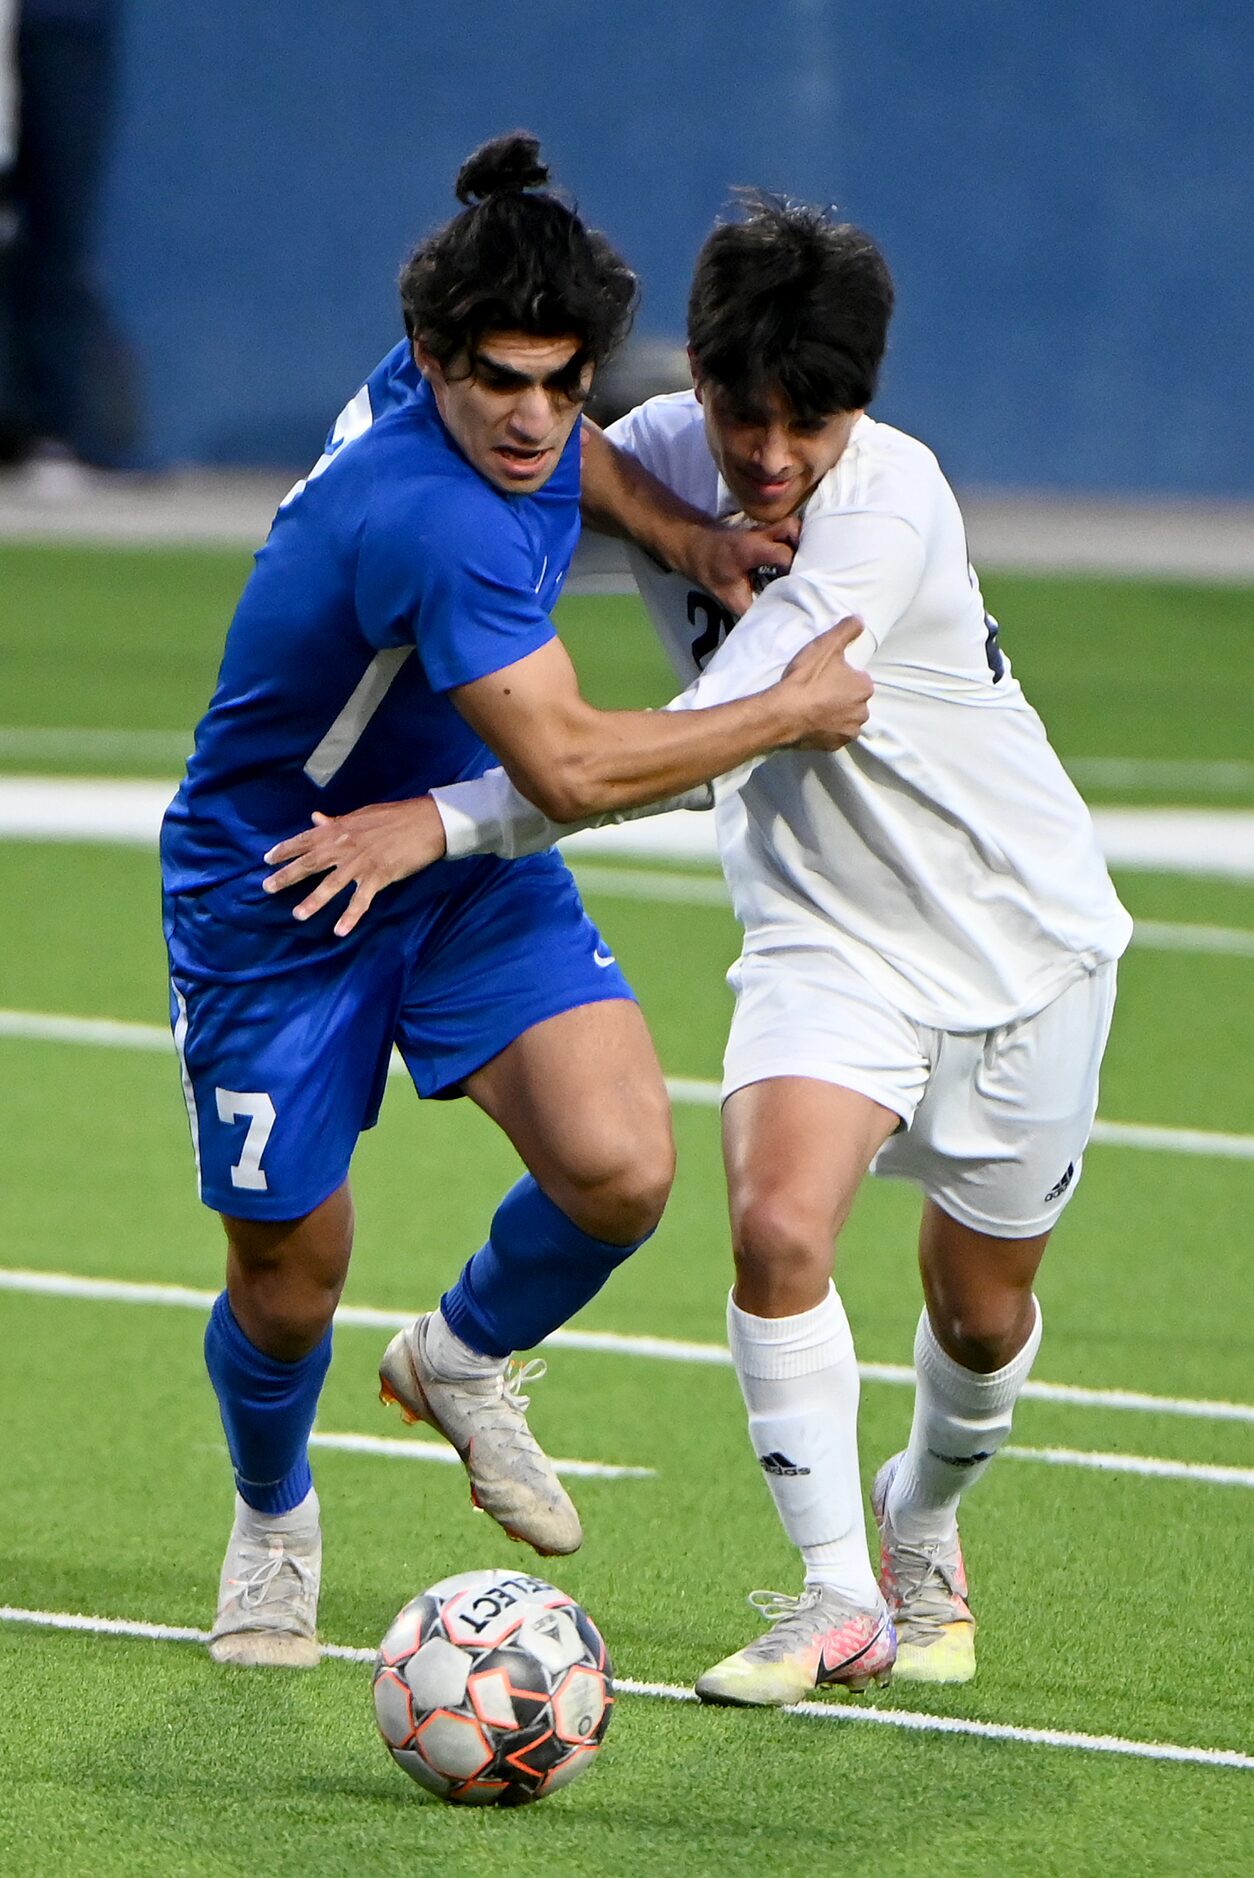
493 1689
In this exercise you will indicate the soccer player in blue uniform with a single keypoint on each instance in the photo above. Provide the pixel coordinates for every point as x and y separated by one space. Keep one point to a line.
394 635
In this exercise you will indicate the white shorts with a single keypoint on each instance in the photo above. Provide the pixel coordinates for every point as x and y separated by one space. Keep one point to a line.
994 1122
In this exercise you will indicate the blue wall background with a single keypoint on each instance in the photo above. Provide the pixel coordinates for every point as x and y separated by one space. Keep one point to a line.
1062 191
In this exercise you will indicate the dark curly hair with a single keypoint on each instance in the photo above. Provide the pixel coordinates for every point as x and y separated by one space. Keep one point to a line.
787 298
517 259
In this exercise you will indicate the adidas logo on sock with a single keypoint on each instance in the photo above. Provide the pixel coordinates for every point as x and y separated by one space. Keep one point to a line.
780 1464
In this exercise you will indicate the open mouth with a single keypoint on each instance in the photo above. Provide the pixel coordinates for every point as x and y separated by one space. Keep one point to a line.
518 461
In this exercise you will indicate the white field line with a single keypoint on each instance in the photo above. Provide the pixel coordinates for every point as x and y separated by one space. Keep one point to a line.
57 744
1219 842
671 1692
66 742
1135 1464
117 1034
609 1343
1152 772
640 883
399 1448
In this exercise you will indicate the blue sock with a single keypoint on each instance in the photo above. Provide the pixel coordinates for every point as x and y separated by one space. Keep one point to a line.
267 1410
537 1269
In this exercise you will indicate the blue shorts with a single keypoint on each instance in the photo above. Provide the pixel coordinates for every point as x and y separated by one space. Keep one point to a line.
283 1069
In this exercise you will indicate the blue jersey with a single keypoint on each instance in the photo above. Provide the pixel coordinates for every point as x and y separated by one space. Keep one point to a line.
393 573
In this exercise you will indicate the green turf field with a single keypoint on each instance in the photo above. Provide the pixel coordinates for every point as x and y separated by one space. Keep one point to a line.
1112 1603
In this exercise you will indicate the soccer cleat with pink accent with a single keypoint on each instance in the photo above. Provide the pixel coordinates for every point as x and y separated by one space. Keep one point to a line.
815 1641
925 1588
485 1418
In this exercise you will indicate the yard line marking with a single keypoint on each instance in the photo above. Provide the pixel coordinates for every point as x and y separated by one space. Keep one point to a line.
672 1692
56 741
1170 772
400 1448
1163 936
119 1034
73 808
611 1343
1136 1464
1205 1142
54 744
109 1033
641 883
653 883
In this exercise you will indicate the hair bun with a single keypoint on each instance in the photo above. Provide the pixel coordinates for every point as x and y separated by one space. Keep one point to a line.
506 166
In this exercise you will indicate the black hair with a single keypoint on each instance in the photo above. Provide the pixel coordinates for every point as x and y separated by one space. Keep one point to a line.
516 259
787 298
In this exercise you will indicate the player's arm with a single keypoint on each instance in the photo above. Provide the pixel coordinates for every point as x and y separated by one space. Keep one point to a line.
572 760
569 765
619 496
370 848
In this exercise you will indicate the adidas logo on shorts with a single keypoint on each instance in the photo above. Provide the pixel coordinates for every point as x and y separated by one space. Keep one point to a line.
1060 1186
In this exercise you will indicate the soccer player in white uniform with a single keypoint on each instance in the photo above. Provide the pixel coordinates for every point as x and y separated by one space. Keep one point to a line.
928 968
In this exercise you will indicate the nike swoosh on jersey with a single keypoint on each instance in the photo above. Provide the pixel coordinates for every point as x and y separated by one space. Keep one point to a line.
606 958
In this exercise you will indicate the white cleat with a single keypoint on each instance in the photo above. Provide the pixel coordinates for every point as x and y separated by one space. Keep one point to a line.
814 1641
925 1587
268 1599
485 1420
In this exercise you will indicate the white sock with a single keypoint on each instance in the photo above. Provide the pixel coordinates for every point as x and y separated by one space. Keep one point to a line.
450 1356
960 1420
298 1522
799 1379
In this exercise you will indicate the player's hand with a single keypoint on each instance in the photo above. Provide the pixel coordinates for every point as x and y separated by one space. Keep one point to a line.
830 695
367 850
724 561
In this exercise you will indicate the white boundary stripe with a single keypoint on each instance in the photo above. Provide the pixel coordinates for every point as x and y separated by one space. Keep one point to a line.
74 808
399 1448
1172 1140
610 1343
1163 772
671 1692
1136 1464
642 883
118 1034
53 741
1162 936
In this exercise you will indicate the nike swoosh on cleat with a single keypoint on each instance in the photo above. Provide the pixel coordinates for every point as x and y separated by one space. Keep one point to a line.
845 1662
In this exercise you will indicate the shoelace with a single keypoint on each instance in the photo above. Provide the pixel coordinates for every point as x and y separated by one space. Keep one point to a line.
511 1427
255 1586
520 1376
787 1618
927 1588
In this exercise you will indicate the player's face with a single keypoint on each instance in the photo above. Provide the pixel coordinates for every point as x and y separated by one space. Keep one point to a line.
511 404
770 458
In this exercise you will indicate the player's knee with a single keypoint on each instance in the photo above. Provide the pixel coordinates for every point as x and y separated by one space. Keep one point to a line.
985 1334
620 1194
779 1246
284 1296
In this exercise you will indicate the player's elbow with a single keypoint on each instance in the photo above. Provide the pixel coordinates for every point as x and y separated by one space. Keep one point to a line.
563 787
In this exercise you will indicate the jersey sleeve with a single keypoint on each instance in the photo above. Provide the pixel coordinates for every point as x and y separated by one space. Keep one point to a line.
861 563
488 815
450 571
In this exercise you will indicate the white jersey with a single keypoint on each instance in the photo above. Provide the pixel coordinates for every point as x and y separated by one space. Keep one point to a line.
945 854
